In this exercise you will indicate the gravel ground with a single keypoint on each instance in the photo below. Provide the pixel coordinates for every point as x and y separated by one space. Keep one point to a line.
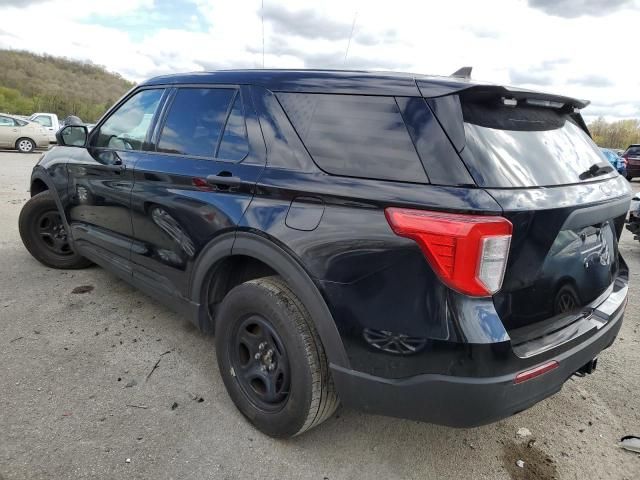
78 400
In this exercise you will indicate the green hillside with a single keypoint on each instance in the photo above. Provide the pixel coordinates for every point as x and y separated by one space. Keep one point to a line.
41 83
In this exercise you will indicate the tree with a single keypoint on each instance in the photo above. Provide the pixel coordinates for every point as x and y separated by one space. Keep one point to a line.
619 134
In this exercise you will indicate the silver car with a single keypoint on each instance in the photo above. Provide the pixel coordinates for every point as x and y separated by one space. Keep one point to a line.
22 135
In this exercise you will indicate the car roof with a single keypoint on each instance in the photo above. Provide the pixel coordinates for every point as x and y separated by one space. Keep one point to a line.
348 82
15 117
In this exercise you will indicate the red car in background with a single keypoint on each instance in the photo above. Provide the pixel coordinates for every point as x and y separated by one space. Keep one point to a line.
632 157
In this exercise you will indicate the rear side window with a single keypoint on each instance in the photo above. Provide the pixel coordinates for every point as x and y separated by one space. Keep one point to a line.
355 135
527 147
43 120
205 122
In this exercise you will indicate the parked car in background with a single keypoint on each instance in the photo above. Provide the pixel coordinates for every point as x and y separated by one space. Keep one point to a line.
71 120
49 121
619 163
22 135
376 239
632 156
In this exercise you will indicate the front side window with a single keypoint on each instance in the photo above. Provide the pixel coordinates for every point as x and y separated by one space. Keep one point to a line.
195 121
127 127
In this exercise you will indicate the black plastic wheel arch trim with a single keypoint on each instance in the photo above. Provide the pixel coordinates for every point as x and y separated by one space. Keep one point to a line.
268 252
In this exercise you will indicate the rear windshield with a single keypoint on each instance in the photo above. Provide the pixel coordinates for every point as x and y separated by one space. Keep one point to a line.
633 151
528 147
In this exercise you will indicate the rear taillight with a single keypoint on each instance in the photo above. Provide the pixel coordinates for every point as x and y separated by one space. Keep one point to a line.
468 252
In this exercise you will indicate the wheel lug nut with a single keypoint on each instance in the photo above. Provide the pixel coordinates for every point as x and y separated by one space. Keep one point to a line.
257 356
262 345
263 368
272 367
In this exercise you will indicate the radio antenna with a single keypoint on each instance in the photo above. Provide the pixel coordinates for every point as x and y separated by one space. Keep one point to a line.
353 27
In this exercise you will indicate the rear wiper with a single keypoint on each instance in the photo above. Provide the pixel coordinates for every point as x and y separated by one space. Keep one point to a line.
595 170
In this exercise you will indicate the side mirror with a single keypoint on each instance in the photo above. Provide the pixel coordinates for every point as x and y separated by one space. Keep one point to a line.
72 136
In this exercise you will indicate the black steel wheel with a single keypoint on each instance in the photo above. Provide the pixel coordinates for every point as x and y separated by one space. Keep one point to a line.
52 233
261 364
271 358
43 233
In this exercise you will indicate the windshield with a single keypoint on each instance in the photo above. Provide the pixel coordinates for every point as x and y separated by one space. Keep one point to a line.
505 149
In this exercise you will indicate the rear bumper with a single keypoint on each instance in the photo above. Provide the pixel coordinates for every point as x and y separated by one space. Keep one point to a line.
468 401
633 170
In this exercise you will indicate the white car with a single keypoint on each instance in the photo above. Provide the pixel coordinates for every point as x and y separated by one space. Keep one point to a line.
22 135
49 121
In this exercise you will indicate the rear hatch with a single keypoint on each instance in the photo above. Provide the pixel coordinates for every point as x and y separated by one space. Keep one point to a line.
566 202
633 155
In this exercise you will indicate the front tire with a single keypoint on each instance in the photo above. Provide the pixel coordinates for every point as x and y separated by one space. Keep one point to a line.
25 145
43 234
271 359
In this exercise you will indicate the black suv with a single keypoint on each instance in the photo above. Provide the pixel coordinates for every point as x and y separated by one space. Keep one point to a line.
424 247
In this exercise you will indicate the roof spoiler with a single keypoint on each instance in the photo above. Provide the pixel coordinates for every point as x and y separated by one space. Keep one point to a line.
526 96
464 72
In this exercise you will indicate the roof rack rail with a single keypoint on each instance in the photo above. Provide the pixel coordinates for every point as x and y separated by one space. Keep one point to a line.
464 72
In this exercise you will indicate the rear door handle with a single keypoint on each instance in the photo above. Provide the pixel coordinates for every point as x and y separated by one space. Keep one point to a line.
224 179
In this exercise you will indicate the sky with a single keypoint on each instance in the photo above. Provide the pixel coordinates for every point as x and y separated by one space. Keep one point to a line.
581 48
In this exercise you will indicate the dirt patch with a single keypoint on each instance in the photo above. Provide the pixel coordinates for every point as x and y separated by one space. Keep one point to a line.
537 464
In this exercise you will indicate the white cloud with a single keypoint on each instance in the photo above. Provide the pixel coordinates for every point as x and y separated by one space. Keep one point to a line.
555 46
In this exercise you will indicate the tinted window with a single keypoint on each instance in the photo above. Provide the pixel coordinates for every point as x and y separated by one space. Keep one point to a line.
127 127
43 120
7 122
633 151
234 144
355 135
527 147
195 121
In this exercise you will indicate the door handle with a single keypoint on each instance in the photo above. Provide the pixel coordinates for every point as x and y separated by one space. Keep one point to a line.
225 179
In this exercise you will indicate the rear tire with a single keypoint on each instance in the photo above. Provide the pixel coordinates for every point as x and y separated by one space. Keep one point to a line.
25 145
43 234
288 391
